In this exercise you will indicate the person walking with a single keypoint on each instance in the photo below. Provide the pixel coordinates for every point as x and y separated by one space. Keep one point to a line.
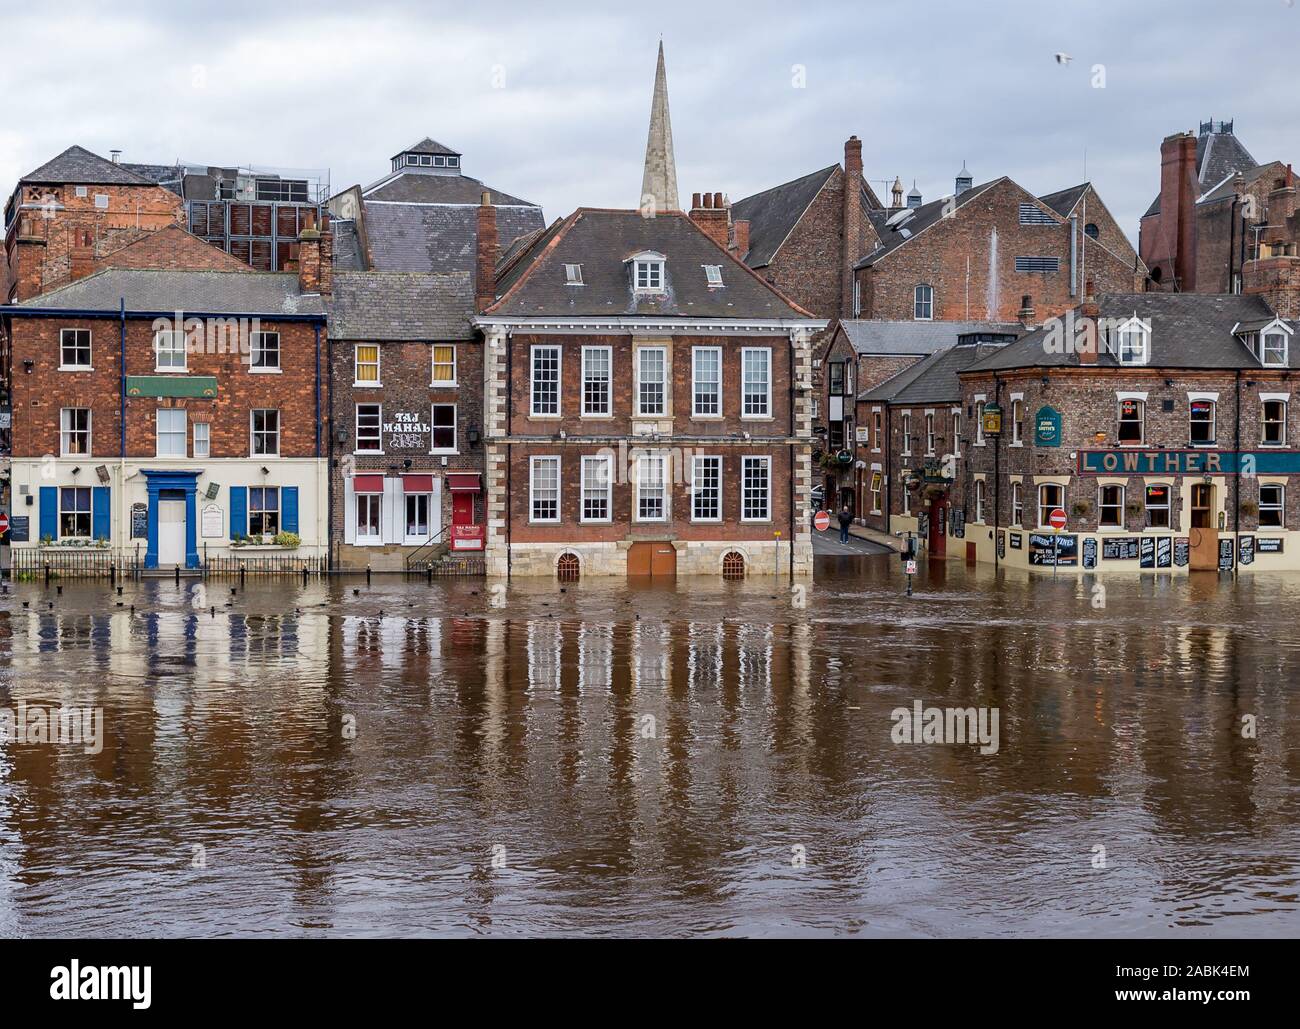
846 519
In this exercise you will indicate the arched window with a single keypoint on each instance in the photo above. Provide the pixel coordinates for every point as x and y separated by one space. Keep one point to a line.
733 565
1090 230
923 302
567 568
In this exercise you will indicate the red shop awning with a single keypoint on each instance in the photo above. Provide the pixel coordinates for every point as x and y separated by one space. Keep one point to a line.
417 483
463 482
368 483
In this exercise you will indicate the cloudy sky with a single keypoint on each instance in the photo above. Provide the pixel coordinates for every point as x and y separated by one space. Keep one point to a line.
551 101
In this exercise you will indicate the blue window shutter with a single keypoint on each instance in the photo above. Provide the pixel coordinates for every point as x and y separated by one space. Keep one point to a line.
289 508
50 512
100 512
238 511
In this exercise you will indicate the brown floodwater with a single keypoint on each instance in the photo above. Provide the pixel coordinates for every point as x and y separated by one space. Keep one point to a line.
704 758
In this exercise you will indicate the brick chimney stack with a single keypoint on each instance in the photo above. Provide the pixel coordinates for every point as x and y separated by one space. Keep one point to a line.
315 258
852 227
1089 311
740 238
82 257
485 277
1176 246
713 216
1026 314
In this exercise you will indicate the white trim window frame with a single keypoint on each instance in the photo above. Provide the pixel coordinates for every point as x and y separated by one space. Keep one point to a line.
651 502
373 506
435 364
172 416
1017 420
1133 343
706 392
77 346
706 488
923 302
544 360
980 400
648 273
981 499
905 431
756 384
544 489
374 429
268 434
1139 410
597 382
597 495
74 430
166 356
753 496
1018 503
651 382
262 347
202 440
1275 506
930 437
1115 520
1281 404
358 364
434 428
1045 509
1195 402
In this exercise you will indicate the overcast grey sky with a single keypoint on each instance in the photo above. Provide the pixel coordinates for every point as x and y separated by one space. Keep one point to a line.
551 101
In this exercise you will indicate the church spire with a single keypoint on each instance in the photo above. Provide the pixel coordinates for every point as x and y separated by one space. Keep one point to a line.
660 178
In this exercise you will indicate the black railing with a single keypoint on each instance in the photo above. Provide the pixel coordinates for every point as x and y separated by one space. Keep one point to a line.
423 556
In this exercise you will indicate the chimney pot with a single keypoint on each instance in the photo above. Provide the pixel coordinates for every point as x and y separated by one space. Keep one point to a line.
717 201
695 201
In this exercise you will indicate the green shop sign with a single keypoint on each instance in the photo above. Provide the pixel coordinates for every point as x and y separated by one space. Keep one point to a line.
1139 461
1047 427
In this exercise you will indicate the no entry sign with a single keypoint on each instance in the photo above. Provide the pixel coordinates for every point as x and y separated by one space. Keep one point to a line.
821 521
4 523
1057 519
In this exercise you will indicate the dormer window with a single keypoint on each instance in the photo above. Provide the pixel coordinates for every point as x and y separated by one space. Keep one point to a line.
648 272
1273 350
573 275
713 274
1134 342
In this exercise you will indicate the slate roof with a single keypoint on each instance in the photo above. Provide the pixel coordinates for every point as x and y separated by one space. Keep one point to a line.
1218 155
412 238
603 241
78 166
1064 201
401 306
914 338
168 175
416 187
155 290
347 246
1188 330
934 380
893 237
429 146
1226 189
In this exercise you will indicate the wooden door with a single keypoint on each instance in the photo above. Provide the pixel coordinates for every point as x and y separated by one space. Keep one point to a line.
462 508
171 533
1204 537
651 560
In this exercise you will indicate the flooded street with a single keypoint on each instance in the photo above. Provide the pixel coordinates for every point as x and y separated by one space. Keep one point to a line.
710 758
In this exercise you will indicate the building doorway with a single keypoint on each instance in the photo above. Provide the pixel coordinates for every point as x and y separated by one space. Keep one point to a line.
938 522
1204 537
171 530
656 560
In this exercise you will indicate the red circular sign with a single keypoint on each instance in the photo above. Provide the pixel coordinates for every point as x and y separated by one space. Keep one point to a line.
4 523
1057 519
821 521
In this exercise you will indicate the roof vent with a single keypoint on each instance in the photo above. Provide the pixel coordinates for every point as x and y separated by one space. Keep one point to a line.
116 156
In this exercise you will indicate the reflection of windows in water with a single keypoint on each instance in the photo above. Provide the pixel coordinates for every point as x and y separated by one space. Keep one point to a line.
651 654
704 656
595 656
754 655
543 655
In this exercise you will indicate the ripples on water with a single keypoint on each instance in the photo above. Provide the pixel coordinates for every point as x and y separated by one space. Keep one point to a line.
646 761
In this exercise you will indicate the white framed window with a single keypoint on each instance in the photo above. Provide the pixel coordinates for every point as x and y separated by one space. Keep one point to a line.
169 350
1158 506
1131 423
1200 431
1017 422
74 512
370 511
651 488
74 432
756 372
171 432
263 510
713 275
101 201
979 422
442 428
923 302
596 365
417 516
573 275
649 272
929 434
877 488
1134 342
444 366
1273 422
1017 503
857 297
652 374
265 427
877 429
74 350
956 431
1272 505
981 499
706 382
545 382
202 439
597 488
1110 507
906 423
706 489
365 363
755 489
1273 350
544 489
370 419
1051 495
264 352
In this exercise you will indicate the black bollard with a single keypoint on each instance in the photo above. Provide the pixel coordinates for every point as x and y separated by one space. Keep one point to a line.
304 575
242 572
214 610
47 576
58 591
367 575
119 591
178 575
429 573
112 575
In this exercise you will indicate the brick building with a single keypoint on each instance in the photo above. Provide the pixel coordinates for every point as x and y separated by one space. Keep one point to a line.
406 385
648 405
173 413
1169 444
976 254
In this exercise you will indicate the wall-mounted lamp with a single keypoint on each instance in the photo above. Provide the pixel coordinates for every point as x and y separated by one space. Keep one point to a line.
472 435
265 470
1169 382
341 436
77 470
406 463
28 363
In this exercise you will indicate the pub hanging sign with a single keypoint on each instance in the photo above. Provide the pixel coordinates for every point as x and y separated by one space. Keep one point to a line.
1047 427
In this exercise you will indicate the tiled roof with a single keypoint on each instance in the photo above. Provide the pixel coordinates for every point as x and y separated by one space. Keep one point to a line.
430 146
914 338
934 380
415 238
149 290
1188 330
78 166
1064 201
401 306
1218 156
774 212
415 187
604 242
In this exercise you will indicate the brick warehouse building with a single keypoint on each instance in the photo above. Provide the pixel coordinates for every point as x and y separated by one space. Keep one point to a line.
1172 445
406 385
647 405
173 413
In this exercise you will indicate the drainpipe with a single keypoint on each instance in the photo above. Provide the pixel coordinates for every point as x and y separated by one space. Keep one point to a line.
1074 250
997 473
509 411
889 465
124 528
792 456
1236 480
327 477
329 466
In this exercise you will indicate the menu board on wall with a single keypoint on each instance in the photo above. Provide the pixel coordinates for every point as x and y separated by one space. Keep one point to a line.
139 521
1090 553
1225 554
1164 551
1061 550
1002 544
1182 551
1247 550
1147 552
1123 549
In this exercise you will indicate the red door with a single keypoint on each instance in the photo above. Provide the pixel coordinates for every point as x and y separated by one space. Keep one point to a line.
938 518
462 509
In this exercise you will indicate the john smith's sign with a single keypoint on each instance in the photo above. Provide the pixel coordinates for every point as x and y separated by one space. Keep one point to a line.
1140 461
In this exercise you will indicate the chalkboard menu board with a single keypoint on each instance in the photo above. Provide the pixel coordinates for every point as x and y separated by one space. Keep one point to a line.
958 522
1164 551
139 521
1225 554
1248 550
1123 549
1147 552
1090 553
1047 550
1002 544
20 527
923 524
1182 551
1268 545
1017 541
